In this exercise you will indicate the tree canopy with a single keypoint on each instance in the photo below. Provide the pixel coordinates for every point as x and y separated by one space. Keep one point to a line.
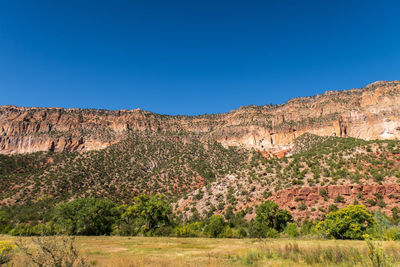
86 216
147 214
351 222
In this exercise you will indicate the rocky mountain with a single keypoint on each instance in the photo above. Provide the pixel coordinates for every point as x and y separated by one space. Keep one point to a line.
369 113
307 155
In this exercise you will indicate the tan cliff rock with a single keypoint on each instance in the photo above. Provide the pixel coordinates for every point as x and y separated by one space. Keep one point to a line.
369 113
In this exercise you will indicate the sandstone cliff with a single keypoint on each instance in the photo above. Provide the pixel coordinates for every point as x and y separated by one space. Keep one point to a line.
369 113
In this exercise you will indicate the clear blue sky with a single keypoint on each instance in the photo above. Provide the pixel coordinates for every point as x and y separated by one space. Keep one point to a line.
191 57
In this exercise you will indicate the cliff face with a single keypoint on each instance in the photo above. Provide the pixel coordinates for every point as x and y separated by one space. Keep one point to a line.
369 113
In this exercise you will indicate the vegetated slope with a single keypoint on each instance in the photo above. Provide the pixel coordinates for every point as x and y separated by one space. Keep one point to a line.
119 154
331 164
143 163
307 142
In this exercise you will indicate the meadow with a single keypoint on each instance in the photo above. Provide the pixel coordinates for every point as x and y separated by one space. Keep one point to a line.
169 251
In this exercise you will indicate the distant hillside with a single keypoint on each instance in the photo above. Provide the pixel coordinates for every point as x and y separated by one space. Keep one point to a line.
306 155
142 163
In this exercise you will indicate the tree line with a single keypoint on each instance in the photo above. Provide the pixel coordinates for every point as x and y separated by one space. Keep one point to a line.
153 216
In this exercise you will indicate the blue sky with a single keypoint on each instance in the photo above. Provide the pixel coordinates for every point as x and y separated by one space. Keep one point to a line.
191 57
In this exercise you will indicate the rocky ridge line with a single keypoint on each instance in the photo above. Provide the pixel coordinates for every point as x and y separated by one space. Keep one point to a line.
369 113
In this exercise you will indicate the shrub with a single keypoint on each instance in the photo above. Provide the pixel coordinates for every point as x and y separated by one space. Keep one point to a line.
26 229
332 208
392 233
261 230
292 230
215 226
230 232
190 230
302 206
395 215
21 229
371 202
381 203
4 222
339 199
382 225
52 251
306 227
351 222
323 193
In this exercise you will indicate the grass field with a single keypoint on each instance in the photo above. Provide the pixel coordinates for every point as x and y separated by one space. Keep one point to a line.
166 251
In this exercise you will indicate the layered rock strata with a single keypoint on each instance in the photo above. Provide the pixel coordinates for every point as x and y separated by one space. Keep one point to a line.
369 113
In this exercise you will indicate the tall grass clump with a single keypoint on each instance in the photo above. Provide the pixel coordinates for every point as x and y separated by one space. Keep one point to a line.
373 255
378 257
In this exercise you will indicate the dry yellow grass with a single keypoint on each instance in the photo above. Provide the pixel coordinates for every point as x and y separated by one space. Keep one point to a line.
166 251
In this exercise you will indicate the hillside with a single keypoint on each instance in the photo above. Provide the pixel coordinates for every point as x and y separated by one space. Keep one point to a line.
307 155
142 163
308 182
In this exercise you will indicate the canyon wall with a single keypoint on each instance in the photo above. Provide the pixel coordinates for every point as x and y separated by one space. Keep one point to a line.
369 113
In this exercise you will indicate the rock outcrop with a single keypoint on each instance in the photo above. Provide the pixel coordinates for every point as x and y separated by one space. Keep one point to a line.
315 201
369 113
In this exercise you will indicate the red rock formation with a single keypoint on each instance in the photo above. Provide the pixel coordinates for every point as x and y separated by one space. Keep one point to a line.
313 198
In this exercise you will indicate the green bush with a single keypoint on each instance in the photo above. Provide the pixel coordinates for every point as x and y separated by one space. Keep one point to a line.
380 230
323 193
351 222
392 233
229 232
4 223
395 215
371 202
262 230
215 227
32 229
306 227
332 208
292 230
190 230
22 229
339 199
